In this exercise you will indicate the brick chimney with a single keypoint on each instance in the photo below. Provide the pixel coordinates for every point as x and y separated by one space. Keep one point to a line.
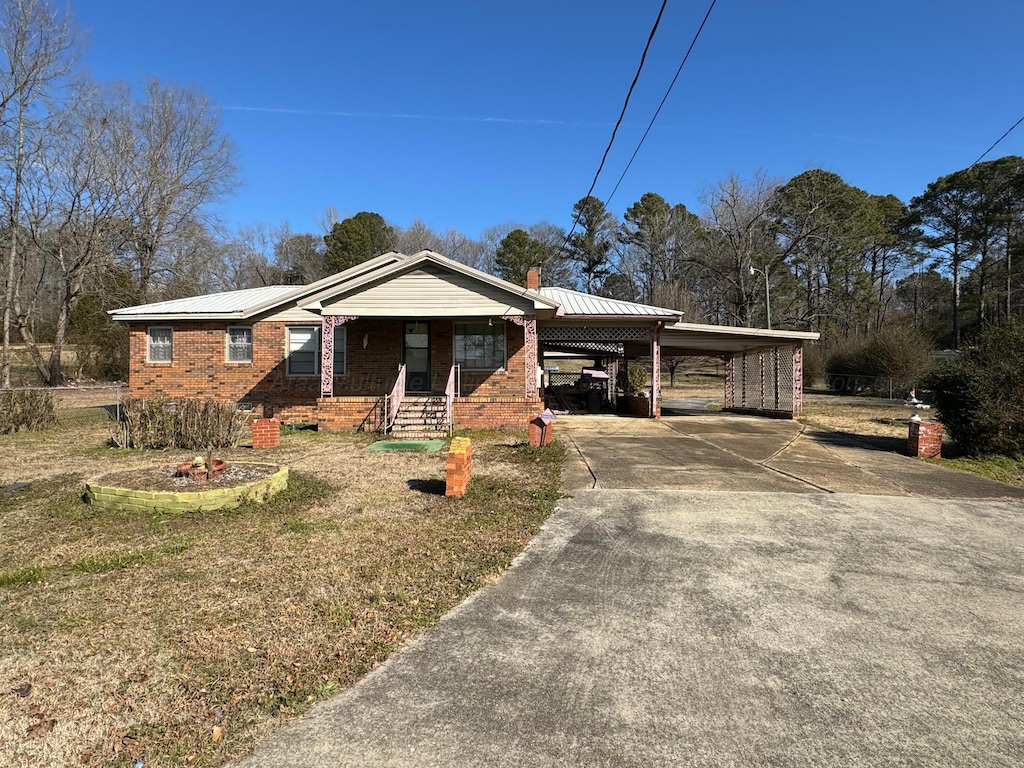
533 278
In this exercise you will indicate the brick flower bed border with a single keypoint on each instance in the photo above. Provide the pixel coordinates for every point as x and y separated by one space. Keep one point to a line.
117 498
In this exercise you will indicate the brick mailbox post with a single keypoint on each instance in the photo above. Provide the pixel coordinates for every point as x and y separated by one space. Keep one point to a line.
540 428
459 466
266 433
925 440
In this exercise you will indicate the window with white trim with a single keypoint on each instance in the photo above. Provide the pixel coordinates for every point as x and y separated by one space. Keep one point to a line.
159 344
480 346
303 350
239 343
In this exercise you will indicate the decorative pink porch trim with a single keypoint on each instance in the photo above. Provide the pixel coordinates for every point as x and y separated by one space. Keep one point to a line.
529 325
798 381
327 325
655 370
730 381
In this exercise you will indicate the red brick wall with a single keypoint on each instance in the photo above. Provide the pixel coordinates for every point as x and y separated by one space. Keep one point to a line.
510 382
338 414
199 369
496 412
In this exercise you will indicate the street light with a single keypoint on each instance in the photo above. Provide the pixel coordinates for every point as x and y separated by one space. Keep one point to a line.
767 293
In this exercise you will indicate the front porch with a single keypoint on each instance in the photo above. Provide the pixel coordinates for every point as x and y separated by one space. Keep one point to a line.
458 372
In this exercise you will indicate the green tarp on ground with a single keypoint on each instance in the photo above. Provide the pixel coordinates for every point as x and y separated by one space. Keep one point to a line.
428 446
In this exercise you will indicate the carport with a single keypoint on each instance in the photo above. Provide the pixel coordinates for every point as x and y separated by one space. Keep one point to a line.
764 373
764 368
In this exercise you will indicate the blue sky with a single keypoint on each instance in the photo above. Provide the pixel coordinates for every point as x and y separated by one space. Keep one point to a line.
471 114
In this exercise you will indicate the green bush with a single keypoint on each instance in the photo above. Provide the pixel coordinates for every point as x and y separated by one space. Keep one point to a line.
980 395
638 378
26 410
192 424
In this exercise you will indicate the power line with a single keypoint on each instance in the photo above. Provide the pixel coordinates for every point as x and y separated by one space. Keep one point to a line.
1008 132
618 122
664 99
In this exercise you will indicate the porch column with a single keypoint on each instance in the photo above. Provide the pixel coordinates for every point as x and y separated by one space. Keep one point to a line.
655 370
327 325
529 325
798 380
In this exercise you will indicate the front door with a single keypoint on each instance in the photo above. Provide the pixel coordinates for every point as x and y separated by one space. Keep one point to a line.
416 356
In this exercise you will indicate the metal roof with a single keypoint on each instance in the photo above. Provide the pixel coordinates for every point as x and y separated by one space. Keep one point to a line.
585 305
700 339
215 304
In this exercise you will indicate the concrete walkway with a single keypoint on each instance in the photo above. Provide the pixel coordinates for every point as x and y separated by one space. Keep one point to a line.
660 621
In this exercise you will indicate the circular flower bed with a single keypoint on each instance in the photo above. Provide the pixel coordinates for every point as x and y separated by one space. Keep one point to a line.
164 488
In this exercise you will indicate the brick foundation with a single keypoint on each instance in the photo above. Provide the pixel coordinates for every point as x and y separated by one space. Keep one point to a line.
340 414
495 412
459 467
266 433
925 440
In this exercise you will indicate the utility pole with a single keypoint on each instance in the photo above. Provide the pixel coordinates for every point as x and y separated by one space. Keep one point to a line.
767 293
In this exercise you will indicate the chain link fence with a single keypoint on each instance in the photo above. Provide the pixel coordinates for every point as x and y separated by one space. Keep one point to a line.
873 386
46 407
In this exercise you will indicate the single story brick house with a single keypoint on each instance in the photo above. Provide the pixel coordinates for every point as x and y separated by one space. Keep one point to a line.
411 334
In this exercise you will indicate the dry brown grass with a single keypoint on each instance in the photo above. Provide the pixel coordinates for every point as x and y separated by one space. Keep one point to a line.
184 639
694 385
867 420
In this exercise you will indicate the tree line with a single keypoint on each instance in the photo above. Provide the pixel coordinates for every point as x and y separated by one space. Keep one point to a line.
106 192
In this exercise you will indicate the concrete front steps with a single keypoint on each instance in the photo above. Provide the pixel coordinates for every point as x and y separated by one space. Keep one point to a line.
420 417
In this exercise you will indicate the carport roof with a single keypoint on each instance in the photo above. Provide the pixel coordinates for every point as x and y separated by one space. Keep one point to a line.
697 339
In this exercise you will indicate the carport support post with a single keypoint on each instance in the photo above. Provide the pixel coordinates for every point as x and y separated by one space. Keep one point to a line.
798 380
656 370
730 381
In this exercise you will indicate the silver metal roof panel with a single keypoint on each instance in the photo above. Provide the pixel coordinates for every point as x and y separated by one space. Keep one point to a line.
229 303
577 303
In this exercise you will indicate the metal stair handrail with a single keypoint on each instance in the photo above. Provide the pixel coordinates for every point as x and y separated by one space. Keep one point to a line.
393 401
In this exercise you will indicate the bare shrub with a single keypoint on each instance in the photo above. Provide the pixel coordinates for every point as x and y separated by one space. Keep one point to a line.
27 410
192 424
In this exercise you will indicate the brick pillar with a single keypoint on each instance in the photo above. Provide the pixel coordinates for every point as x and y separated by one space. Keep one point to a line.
266 433
925 440
541 428
459 466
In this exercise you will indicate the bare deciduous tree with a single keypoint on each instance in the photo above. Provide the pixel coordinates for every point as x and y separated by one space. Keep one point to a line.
181 162
38 46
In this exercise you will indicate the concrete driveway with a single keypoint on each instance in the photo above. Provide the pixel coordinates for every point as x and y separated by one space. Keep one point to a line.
686 627
730 452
